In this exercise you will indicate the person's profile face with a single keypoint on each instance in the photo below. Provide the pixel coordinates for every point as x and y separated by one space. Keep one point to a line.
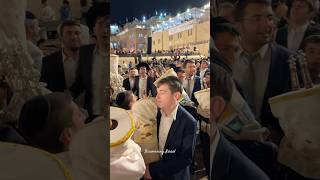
165 98
132 73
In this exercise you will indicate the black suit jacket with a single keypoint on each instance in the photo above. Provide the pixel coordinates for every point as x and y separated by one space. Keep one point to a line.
84 76
282 34
278 83
182 139
150 86
126 84
230 164
52 72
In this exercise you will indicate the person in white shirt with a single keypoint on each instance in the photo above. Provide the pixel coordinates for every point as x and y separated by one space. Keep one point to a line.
299 25
47 13
32 34
203 68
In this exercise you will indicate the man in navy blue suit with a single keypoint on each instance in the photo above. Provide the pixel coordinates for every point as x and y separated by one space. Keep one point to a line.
261 69
176 134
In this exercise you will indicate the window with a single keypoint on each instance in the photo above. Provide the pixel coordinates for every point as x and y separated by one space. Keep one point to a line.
170 37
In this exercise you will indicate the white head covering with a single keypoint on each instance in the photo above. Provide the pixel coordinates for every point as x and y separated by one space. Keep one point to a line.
126 161
145 112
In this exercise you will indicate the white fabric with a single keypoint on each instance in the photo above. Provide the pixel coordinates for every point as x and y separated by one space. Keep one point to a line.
145 113
24 162
298 114
203 72
295 36
89 152
36 54
128 165
238 121
99 81
85 34
16 64
165 125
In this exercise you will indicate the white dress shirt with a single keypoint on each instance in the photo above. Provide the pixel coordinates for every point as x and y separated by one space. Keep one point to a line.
189 89
295 36
99 82
260 67
70 66
131 81
142 86
165 125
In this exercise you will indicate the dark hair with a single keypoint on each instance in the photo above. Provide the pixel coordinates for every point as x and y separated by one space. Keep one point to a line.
43 118
173 82
242 4
225 28
123 99
308 2
221 83
310 39
30 15
43 1
96 11
65 2
188 61
67 23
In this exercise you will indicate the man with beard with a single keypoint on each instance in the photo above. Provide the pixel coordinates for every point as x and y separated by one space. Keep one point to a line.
59 69
93 74
261 69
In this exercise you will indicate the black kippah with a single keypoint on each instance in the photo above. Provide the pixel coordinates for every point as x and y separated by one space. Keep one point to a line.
120 98
33 115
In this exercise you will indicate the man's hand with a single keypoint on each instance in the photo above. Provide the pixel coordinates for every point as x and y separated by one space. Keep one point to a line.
147 175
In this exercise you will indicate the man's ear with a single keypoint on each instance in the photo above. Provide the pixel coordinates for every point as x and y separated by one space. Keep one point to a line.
177 95
65 136
218 105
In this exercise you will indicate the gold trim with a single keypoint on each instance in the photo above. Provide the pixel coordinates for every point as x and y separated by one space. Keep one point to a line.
128 135
295 95
48 154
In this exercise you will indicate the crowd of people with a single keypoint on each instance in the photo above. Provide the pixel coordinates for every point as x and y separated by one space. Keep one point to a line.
256 53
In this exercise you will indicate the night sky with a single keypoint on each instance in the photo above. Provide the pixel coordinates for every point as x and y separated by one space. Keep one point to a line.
122 9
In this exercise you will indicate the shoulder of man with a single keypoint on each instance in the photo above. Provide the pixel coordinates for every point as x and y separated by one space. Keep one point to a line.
56 56
186 115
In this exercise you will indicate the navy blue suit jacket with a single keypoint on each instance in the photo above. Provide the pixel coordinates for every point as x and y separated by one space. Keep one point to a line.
52 72
278 83
230 164
282 34
182 140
